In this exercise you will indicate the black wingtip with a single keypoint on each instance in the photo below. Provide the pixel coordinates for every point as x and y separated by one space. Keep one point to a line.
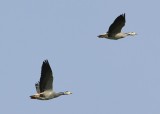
45 64
123 15
45 61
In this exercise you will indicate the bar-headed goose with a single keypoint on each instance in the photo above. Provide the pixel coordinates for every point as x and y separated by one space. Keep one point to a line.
114 31
44 86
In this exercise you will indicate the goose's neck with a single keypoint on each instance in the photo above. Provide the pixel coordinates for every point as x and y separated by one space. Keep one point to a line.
58 94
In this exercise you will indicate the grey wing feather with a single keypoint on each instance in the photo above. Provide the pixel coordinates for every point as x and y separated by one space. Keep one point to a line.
37 87
46 78
117 25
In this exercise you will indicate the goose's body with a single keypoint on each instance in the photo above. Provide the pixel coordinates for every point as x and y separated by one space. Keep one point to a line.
44 86
114 31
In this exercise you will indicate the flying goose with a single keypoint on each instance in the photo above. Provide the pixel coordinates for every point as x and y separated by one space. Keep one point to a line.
44 86
114 31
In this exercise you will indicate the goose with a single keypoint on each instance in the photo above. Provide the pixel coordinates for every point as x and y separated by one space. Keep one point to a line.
44 86
114 31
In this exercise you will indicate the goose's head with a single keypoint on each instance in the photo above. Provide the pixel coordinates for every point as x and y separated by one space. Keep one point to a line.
67 93
132 33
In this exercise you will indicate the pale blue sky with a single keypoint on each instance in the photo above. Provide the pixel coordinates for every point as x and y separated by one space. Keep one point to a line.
105 76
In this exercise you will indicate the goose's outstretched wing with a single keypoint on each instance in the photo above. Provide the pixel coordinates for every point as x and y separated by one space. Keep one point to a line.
46 78
117 25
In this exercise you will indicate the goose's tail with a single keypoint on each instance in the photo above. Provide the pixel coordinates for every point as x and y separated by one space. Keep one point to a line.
34 96
103 35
